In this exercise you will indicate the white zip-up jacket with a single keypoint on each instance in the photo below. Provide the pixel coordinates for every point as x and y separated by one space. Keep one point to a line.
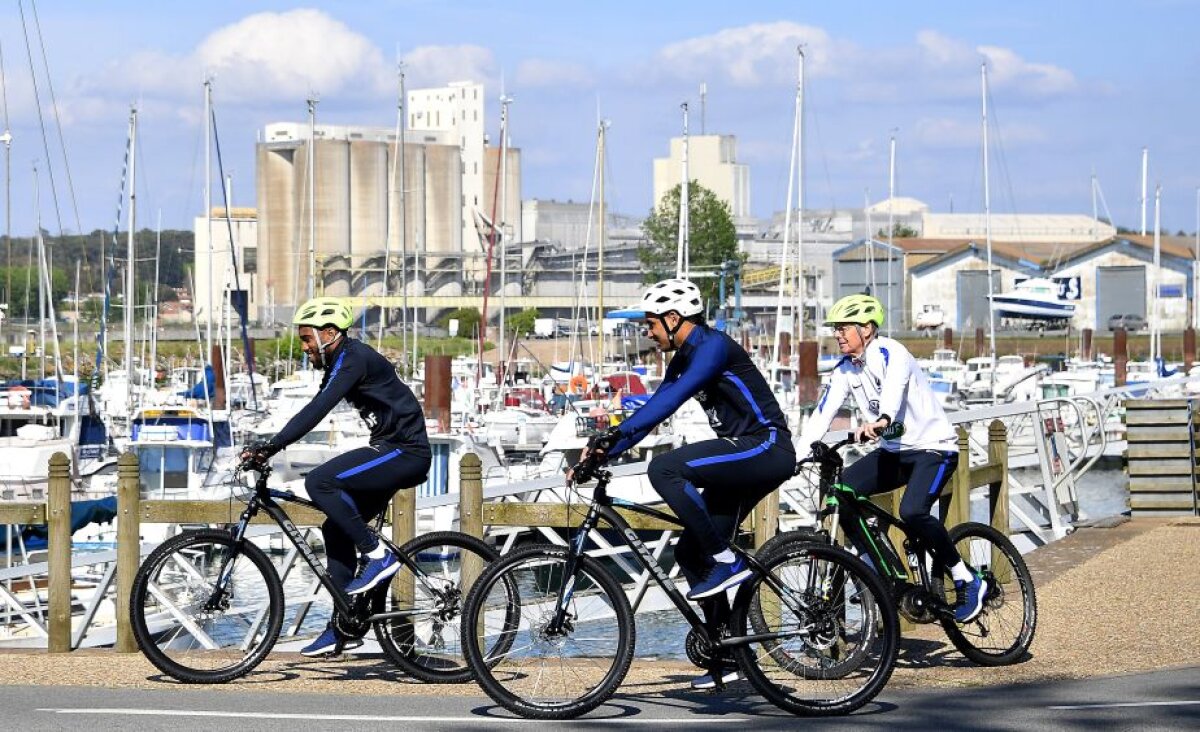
887 380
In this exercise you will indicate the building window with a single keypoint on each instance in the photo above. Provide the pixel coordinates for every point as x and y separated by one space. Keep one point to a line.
250 260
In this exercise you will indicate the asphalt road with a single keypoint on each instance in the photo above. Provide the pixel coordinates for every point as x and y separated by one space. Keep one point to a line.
1163 700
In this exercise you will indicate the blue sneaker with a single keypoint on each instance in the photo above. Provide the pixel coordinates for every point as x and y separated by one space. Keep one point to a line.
327 643
970 599
721 577
375 571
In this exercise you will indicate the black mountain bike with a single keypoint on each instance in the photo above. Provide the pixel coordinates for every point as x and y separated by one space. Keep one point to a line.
1003 631
811 630
207 605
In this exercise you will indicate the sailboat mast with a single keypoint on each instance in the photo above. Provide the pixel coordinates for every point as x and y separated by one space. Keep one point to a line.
1155 321
208 206
798 311
1145 173
987 230
891 226
787 210
498 224
131 262
312 196
600 253
681 247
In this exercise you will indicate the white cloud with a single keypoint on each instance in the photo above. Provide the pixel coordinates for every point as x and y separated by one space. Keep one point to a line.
264 57
960 133
547 73
438 65
747 56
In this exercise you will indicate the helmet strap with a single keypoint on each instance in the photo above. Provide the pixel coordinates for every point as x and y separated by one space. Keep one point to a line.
669 330
322 346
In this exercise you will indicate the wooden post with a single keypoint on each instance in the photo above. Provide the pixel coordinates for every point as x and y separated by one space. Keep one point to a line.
1189 347
785 347
808 382
437 390
955 507
980 344
998 492
1120 356
129 539
58 521
947 338
766 519
470 512
1086 349
404 530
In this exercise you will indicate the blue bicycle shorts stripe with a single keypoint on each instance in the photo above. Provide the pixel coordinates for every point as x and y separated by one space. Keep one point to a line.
368 465
713 460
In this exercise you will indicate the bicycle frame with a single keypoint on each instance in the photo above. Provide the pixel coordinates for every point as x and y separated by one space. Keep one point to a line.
264 500
603 508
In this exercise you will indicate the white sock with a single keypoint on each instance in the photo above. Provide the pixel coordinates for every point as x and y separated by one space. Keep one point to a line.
725 557
961 573
378 552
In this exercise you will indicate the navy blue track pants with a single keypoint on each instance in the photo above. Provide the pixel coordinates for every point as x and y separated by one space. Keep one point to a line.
925 473
354 487
735 473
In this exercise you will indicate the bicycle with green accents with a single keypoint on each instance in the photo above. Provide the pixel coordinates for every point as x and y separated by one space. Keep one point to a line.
1000 635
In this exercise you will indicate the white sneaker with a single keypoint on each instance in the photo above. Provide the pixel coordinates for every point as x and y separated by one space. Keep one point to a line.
706 681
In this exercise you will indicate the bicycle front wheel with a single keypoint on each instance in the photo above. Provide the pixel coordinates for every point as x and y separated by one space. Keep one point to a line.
1003 631
831 632
426 643
206 609
540 671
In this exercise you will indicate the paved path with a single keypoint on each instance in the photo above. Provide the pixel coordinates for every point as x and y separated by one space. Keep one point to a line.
1164 700
1111 602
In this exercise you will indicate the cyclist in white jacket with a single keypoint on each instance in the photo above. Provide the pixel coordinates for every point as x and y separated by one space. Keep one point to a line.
918 445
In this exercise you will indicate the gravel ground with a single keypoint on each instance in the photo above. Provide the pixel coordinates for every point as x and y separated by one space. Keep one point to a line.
1110 601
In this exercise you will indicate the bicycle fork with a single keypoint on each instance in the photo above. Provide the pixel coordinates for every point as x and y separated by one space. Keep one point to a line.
559 621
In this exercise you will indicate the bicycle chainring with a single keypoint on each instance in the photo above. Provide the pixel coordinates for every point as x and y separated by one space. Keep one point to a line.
700 652
916 605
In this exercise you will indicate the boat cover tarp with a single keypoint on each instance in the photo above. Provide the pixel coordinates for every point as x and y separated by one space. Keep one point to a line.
204 388
83 513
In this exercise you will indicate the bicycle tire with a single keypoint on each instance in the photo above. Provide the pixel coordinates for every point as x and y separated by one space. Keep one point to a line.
177 580
841 601
1004 630
427 646
601 625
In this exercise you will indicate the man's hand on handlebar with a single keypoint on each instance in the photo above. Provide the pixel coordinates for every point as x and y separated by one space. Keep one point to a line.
594 455
257 455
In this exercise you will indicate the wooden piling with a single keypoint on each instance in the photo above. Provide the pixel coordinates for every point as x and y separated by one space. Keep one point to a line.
1086 347
1189 347
129 539
470 511
1120 357
808 383
980 343
948 338
58 520
218 367
437 390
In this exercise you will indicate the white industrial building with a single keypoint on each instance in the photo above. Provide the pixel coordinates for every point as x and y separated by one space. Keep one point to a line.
712 162
215 284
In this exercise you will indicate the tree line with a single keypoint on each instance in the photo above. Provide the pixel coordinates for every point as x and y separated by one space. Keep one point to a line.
19 265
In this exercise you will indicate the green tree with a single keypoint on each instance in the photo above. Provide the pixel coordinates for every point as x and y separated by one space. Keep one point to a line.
468 321
899 231
25 290
711 235
522 322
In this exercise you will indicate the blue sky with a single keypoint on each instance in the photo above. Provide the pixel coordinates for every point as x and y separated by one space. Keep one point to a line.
1075 87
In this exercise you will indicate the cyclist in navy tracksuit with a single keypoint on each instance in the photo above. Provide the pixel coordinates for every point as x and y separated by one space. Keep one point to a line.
358 484
752 456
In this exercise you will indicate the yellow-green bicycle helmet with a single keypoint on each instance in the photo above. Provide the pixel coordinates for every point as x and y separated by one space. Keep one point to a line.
322 311
858 309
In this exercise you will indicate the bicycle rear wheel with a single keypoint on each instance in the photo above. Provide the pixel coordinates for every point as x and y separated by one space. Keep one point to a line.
1004 630
190 629
427 644
539 672
836 631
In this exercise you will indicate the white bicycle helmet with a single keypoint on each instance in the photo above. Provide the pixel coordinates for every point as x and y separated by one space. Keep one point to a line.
674 294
